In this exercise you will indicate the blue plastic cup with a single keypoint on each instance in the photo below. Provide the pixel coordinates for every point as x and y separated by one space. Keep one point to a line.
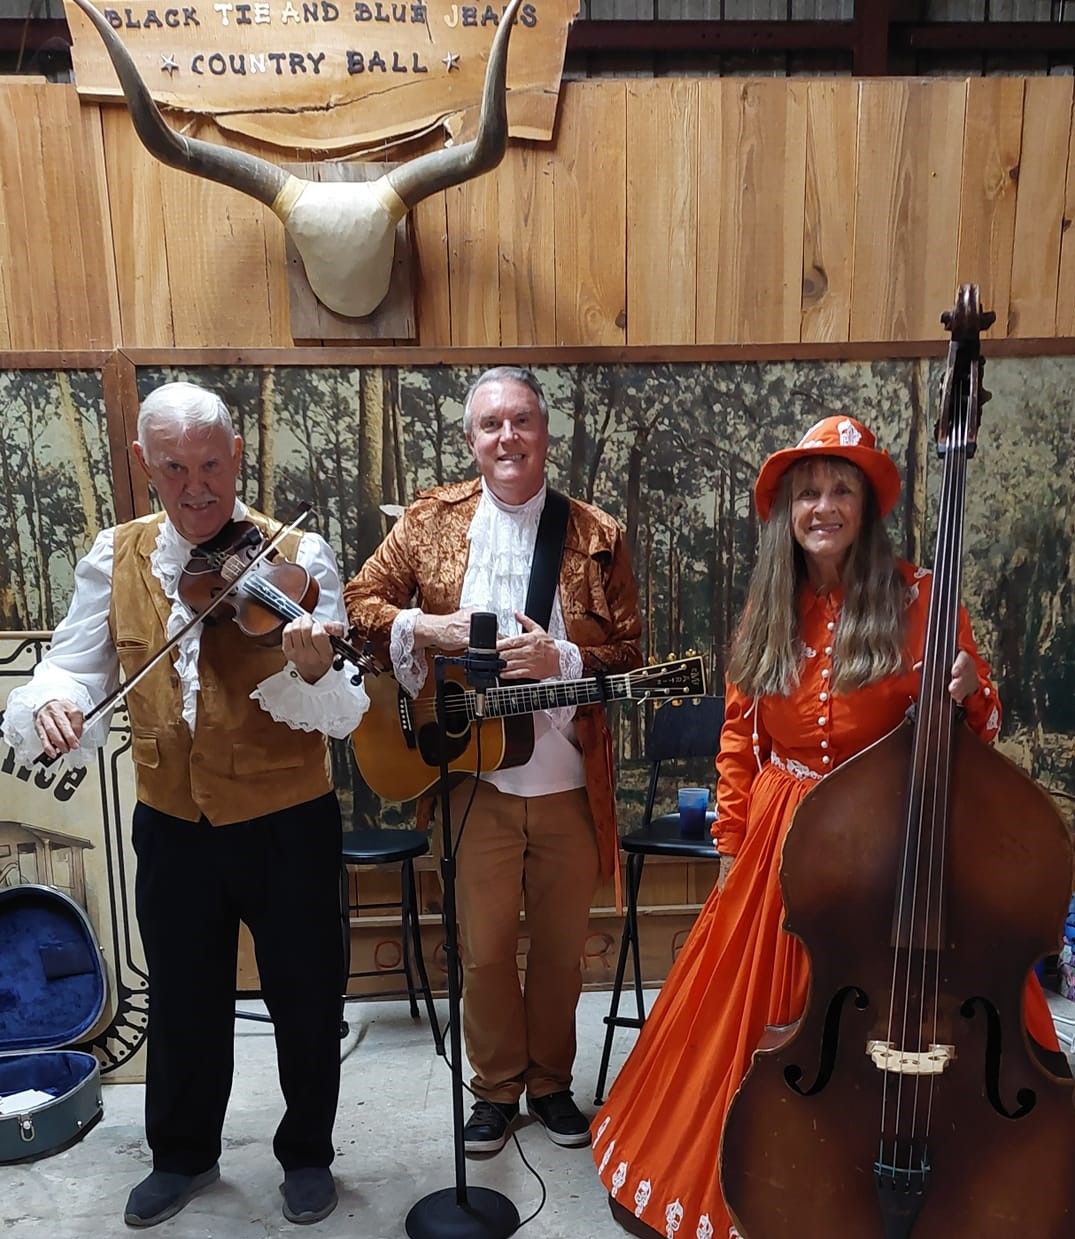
693 802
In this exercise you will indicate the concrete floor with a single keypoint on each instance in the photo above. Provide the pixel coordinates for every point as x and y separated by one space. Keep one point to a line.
393 1142
393 1146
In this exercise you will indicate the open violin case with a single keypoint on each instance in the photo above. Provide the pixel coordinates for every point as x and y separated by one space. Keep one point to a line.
52 993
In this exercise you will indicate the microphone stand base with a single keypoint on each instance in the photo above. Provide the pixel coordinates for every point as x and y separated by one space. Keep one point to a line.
485 1215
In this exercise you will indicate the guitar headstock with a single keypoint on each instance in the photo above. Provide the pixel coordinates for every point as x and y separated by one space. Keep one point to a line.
681 677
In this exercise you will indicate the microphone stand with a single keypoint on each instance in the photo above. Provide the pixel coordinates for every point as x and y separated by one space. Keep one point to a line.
456 1212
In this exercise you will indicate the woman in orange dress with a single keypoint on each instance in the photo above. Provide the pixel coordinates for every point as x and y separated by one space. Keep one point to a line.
823 664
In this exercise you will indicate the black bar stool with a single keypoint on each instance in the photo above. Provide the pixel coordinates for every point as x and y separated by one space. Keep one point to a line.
680 730
384 847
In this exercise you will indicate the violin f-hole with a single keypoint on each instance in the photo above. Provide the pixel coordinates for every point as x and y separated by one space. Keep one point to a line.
830 1042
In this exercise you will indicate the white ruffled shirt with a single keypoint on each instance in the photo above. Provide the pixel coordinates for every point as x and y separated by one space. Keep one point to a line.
502 537
82 666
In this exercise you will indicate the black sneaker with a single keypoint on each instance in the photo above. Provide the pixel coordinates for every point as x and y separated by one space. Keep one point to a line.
564 1122
489 1126
309 1194
162 1194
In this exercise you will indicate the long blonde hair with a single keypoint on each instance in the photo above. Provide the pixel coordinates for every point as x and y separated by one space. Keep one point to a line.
767 651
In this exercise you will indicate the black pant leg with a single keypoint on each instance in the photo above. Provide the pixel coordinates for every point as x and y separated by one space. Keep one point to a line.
189 929
295 923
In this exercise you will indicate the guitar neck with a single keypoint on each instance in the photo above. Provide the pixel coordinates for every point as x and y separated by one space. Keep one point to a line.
507 700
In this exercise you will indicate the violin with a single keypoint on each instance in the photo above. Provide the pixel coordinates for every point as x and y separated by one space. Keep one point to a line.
925 877
218 577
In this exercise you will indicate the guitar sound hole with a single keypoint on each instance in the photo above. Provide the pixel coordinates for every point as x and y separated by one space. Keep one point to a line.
457 723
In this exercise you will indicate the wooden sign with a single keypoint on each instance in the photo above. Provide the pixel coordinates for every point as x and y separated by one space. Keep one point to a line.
328 74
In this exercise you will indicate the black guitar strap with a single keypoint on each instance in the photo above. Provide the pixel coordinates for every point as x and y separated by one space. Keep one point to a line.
548 551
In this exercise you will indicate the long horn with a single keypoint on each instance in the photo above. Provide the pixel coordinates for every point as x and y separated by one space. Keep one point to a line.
442 169
247 173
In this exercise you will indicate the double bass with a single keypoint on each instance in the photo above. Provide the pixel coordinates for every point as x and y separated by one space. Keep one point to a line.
925 877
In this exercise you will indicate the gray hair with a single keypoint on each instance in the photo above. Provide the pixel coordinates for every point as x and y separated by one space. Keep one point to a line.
498 374
185 405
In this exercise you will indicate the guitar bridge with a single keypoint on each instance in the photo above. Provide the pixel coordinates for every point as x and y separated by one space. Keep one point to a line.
406 722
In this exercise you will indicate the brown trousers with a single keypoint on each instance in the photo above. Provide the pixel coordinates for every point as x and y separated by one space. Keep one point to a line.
538 852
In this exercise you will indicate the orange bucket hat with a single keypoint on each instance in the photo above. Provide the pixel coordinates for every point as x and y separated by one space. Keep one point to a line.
834 436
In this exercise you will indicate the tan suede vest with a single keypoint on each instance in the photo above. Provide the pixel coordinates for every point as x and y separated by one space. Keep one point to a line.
239 763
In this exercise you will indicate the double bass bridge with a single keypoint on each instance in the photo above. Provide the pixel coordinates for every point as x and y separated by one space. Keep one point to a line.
929 1062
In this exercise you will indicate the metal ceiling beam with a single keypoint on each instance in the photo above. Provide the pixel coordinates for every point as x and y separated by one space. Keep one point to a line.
870 38
712 36
984 36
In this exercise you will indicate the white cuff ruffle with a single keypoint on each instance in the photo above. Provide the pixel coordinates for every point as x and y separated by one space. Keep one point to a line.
50 684
333 705
408 664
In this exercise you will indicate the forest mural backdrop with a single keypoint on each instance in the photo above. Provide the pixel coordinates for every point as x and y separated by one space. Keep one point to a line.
670 449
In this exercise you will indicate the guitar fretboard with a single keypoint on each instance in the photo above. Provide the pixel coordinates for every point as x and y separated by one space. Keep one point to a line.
512 699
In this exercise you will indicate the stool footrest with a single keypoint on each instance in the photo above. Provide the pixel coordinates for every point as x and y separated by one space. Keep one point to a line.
623 1021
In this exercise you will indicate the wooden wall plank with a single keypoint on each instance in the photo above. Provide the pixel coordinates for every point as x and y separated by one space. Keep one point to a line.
58 236
1039 208
1065 292
33 320
430 221
591 245
991 149
527 246
829 209
215 238
93 192
11 213
662 203
473 268
134 193
750 240
910 142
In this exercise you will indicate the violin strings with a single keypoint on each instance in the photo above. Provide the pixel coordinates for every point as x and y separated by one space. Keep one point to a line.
286 608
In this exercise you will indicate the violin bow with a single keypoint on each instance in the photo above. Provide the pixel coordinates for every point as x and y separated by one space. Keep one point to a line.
115 698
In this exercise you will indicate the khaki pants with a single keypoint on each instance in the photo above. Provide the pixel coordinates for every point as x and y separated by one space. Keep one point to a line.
539 852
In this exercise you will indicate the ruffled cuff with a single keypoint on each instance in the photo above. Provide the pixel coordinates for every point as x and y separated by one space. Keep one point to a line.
570 660
24 702
332 705
408 664
570 669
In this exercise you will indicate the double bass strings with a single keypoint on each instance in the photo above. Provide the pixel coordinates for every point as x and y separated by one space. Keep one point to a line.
927 809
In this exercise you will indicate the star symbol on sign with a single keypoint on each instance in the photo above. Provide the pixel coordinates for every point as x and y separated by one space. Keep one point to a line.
451 61
168 64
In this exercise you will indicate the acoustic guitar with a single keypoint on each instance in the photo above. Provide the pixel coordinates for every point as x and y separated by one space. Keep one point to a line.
397 744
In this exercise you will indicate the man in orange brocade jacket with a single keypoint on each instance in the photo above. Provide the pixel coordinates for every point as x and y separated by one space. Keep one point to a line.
542 833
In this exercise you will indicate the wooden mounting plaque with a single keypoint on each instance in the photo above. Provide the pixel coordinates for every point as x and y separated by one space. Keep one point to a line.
394 318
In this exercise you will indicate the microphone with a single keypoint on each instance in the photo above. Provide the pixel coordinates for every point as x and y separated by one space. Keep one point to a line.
482 663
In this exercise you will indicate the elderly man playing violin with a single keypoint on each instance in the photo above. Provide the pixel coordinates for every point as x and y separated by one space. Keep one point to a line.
236 818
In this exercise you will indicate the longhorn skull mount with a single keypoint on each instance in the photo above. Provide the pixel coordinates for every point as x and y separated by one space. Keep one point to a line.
344 231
